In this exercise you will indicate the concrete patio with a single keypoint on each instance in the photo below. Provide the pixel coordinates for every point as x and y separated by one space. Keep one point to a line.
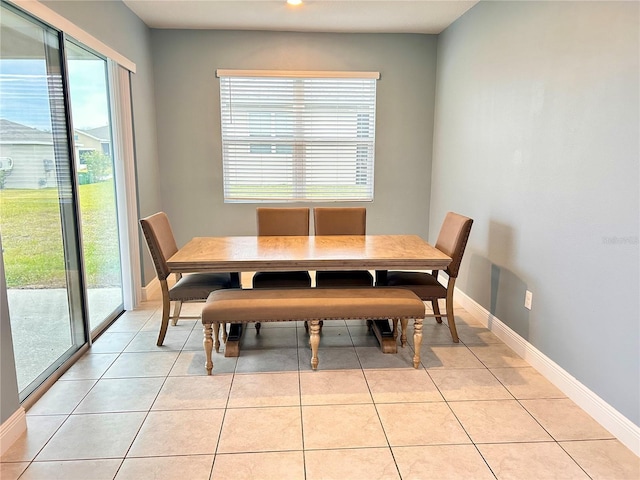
41 329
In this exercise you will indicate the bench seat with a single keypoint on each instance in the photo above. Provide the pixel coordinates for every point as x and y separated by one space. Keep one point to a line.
312 305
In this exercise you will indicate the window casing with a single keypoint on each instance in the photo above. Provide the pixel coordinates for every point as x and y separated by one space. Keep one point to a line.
297 136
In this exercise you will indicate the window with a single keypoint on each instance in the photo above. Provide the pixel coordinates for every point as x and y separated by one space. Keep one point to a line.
297 136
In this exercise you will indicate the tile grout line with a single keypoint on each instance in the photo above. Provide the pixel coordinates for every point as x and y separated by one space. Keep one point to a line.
300 396
375 406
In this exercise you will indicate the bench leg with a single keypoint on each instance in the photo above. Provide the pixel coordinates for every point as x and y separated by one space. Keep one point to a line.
403 336
216 336
306 325
208 346
314 340
417 341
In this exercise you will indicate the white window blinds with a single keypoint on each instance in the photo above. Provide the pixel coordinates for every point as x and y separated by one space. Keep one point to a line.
297 136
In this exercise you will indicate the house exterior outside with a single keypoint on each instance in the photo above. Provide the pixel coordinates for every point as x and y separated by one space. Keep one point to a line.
27 157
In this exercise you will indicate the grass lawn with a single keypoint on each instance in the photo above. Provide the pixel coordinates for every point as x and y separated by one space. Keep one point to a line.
32 237
286 192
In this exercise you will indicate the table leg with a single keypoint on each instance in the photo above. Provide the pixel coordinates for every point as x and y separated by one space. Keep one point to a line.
384 334
232 347
417 341
208 346
314 340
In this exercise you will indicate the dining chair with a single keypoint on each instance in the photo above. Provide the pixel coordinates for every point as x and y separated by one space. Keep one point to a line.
274 221
193 287
285 222
341 221
452 241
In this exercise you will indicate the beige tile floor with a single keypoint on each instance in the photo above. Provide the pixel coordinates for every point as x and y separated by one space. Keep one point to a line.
475 410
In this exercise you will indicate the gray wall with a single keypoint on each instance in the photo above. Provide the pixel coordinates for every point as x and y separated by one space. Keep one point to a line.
188 107
115 25
536 138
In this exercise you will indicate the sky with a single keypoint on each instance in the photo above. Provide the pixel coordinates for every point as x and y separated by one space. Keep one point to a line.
24 95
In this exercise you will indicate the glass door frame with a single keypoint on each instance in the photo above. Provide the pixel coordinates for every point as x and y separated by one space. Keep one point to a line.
69 205
71 226
66 190
104 323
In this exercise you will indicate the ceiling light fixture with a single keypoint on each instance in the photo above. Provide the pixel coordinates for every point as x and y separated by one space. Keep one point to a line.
294 2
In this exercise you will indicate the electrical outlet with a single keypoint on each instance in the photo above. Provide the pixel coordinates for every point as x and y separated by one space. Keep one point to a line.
528 297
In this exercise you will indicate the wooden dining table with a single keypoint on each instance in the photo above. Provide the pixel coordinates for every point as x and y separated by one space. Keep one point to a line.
287 253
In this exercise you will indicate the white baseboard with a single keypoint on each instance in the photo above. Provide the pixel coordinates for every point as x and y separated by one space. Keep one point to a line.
621 427
11 429
151 291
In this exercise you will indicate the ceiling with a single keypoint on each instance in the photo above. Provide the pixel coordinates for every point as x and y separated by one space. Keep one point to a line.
357 16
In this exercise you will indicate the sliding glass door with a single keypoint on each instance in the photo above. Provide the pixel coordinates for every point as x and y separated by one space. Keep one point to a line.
58 215
37 209
96 191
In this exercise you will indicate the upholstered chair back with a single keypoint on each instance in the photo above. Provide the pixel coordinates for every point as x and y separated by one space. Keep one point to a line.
452 240
340 220
283 221
160 241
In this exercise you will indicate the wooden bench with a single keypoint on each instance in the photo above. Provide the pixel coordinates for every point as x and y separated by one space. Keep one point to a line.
312 305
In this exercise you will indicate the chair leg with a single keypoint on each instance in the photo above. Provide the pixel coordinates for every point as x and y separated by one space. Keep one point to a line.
224 332
176 312
450 318
395 329
436 310
166 306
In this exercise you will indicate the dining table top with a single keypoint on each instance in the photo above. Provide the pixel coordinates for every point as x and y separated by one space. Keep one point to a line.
313 252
